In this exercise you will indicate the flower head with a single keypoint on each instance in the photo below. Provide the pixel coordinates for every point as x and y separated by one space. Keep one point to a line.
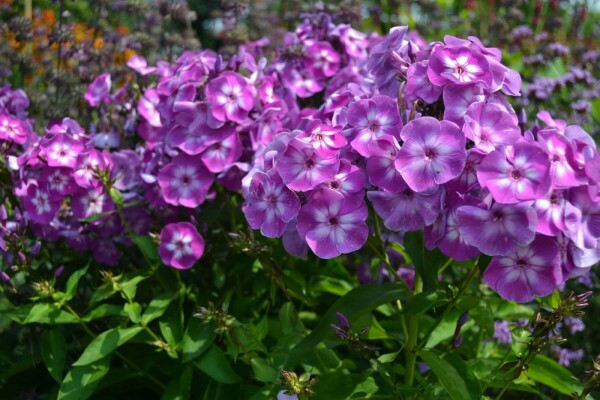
180 245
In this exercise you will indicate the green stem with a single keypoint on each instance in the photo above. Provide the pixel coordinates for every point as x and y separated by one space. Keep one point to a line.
411 343
450 305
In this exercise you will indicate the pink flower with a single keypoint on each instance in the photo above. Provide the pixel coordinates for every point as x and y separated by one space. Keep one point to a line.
231 95
327 140
87 166
490 126
185 181
331 226
270 205
40 206
433 153
99 90
461 65
527 272
180 245
86 203
302 168
222 154
381 166
12 129
524 176
61 150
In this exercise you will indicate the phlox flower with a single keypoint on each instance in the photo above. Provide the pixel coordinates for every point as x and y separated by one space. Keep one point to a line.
86 167
582 218
180 245
498 230
527 272
489 126
12 129
221 154
524 175
185 181
99 90
461 65
372 118
433 153
89 202
41 207
302 168
418 85
349 181
551 213
458 98
231 95
381 166
327 140
332 226
561 152
269 204
61 150
58 181
323 60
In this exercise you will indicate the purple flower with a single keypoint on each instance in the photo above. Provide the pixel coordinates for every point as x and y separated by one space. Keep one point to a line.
87 166
185 181
232 97
86 203
499 230
349 181
489 125
551 213
372 118
458 98
12 129
527 272
582 216
467 180
99 90
461 65
433 153
302 168
561 152
331 226
502 332
61 150
327 140
524 176
202 132
58 181
221 154
381 166
270 205
407 210
567 356
323 61
418 85
180 245
40 206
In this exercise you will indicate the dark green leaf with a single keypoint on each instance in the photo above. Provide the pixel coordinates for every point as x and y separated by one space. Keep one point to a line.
54 351
147 247
171 326
197 339
339 386
427 263
454 375
550 373
104 310
288 318
157 307
49 314
214 364
355 303
105 343
80 383
262 371
133 311
484 319
179 388
422 302
73 281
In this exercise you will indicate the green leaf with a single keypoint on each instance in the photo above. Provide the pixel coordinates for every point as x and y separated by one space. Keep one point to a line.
133 311
54 352
129 287
104 310
46 313
554 299
171 326
288 318
147 247
157 307
454 375
550 373
520 340
197 339
116 196
426 262
73 281
484 319
105 343
179 388
354 304
80 383
215 364
422 302
340 386
263 371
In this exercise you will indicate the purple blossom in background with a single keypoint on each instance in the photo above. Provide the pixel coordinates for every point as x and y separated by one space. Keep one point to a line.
502 332
180 245
99 90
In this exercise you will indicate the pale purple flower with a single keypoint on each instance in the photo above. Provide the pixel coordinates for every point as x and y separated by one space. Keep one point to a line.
301 81
231 95
86 203
381 166
467 180
499 230
527 272
99 90
140 65
185 181
199 134
562 158
221 154
433 153
407 210
61 150
349 181
323 60
502 332
302 168
551 213
88 165
490 126
180 245
12 129
458 98
582 218
461 65
524 175
41 207
269 204
418 86
567 356
327 140
372 118
147 107
332 226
